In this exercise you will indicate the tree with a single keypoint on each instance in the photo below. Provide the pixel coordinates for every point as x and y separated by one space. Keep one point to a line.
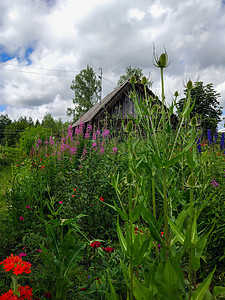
133 71
4 121
207 106
14 130
86 87
48 121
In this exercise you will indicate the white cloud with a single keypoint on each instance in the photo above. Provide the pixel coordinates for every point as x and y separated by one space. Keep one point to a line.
112 34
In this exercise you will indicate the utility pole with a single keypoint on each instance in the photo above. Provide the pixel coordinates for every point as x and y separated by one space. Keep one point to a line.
100 77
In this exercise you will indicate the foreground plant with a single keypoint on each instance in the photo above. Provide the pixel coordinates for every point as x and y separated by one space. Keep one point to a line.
157 153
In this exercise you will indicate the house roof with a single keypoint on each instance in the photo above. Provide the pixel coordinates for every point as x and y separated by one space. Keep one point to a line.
88 116
94 110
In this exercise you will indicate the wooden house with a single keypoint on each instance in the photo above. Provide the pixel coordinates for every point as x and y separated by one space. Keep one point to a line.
116 104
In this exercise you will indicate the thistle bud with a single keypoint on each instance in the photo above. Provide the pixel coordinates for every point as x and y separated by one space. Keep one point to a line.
129 126
144 80
132 95
194 121
133 79
129 177
191 182
189 85
176 94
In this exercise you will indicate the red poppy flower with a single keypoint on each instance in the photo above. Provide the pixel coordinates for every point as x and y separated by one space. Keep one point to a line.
72 196
102 199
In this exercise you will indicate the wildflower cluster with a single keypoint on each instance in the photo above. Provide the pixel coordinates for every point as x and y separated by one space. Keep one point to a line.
95 244
214 183
23 292
16 264
137 230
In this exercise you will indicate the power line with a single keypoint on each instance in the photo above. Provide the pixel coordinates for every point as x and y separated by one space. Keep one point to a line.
109 81
58 75
38 68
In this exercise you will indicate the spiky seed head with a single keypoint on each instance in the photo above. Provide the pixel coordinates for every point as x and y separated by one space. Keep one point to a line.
194 121
191 182
129 126
133 79
129 177
144 80
189 85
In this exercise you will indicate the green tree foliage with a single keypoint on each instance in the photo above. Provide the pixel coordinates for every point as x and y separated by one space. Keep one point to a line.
4 121
56 126
30 135
14 130
207 106
133 71
86 87
48 121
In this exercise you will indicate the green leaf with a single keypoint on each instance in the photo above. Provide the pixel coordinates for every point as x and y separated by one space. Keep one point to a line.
167 281
156 160
141 292
174 160
152 222
194 235
203 288
116 208
122 240
179 235
218 291
113 293
137 212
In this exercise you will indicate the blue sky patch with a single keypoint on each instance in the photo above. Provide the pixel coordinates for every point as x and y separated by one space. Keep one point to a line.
27 55
5 56
2 107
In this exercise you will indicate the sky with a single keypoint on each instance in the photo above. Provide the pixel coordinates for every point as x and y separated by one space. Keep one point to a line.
44 44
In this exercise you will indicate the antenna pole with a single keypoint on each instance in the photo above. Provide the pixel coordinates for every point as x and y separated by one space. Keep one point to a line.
100 77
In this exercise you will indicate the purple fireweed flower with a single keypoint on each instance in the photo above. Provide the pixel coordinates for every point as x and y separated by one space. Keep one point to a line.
89 127
21 218
98 132
102 150
214 183
77 131
84 151
114 149
209 137
86 135
94 137
22 254
222 142
105 133
51 140
70 131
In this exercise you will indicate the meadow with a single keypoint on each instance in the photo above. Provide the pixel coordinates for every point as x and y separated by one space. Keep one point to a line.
102 215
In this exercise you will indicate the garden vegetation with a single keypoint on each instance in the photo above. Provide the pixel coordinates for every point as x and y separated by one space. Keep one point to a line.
98 215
